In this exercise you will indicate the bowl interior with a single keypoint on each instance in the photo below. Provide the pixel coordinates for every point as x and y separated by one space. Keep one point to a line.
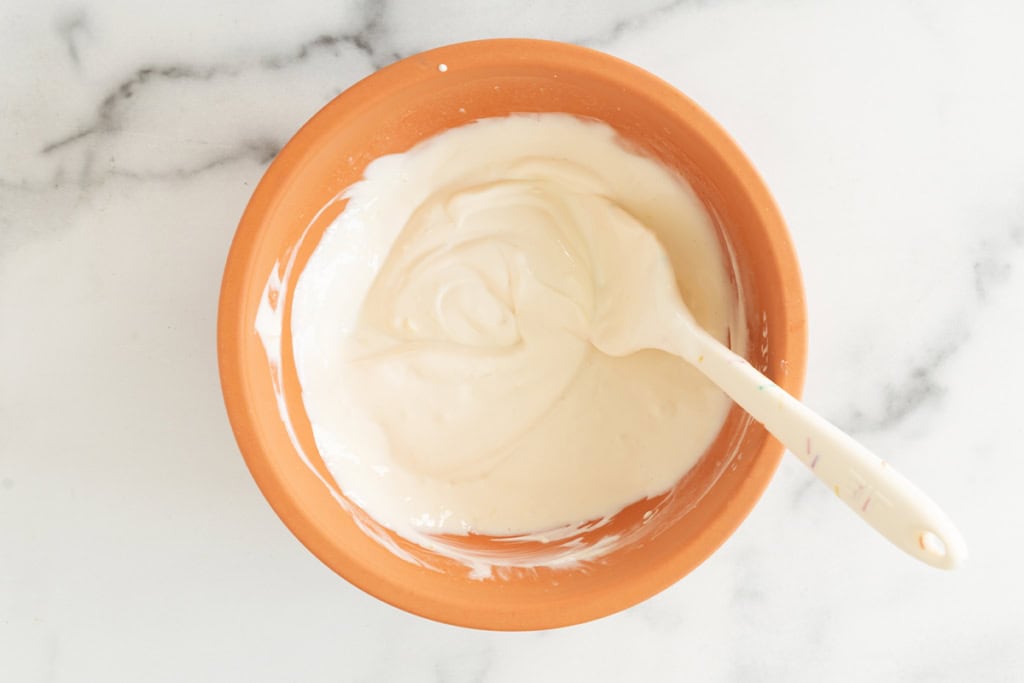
390 112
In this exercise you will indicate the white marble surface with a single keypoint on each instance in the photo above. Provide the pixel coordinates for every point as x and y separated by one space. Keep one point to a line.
134 545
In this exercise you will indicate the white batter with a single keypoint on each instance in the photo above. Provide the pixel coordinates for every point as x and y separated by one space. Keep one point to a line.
442 332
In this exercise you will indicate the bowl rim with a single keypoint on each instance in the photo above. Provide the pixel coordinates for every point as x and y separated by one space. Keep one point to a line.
231 326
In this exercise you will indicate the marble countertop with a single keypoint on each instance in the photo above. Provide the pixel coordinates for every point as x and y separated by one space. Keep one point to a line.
134 546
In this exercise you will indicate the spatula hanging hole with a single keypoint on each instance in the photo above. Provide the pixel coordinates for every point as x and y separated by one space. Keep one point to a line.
931 543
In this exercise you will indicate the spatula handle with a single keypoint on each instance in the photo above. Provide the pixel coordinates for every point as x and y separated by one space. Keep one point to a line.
882 497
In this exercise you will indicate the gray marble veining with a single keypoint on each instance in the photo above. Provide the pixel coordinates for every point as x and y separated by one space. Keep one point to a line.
133 543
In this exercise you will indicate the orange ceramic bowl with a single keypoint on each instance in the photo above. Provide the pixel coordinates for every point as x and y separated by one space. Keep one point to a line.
391 111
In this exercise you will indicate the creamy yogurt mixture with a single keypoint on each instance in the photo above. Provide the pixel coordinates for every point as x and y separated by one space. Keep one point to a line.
442 328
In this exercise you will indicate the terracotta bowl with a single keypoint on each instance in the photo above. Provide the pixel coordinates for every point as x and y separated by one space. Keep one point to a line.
297 199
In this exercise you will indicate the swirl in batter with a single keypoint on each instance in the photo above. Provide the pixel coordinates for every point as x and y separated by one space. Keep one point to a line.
442 332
